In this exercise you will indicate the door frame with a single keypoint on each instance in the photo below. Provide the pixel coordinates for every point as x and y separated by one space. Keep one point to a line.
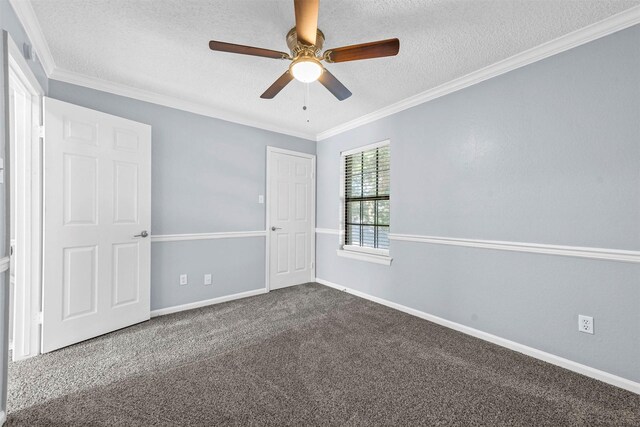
270 151
31 307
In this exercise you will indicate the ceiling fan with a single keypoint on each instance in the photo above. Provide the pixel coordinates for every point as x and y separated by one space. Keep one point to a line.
305 42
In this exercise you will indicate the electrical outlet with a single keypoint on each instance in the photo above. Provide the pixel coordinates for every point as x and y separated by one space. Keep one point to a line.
183 279
585 324
207 279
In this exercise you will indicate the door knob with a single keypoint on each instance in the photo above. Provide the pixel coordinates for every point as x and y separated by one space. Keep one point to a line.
143 233
276 228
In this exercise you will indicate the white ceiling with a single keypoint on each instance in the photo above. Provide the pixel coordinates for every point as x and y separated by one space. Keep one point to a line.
162 46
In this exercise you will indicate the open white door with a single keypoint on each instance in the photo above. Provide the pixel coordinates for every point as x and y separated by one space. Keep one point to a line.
97 201
291 217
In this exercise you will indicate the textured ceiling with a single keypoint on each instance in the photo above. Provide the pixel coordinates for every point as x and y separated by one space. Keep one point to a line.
162 46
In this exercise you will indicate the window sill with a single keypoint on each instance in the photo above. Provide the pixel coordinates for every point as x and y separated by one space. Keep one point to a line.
361 256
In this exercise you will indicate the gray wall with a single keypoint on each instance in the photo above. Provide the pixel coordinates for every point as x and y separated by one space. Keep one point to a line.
545 154
550 154
206 177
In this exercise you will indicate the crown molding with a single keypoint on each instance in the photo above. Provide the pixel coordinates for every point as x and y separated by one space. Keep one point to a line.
27 17
614 23
167 101
576 38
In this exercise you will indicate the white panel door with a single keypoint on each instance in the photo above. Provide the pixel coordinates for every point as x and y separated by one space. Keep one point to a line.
97 191
291 219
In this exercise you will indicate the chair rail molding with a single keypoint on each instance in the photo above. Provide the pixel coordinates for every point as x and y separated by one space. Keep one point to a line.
328 231
572 251
4 264
206 236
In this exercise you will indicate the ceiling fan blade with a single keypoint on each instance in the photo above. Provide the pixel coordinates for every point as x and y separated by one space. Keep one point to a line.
277 86
246 50
306 20
334 86
355 52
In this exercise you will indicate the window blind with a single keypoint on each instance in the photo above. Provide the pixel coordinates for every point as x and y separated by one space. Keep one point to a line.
367 198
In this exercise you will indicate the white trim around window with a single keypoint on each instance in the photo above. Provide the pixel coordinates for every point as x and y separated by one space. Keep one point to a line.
365 148
373 255
365 250
376 256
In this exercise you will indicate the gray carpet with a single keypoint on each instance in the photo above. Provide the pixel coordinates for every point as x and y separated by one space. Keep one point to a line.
307 355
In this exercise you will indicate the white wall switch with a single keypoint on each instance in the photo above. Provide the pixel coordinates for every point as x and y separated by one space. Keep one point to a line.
585 324
261 199
207 279
183 279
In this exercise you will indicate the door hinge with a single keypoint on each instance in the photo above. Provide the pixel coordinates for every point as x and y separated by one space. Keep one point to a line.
41 131
40 318
311 265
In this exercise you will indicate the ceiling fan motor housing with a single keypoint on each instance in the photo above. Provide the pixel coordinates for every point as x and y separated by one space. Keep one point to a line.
301 49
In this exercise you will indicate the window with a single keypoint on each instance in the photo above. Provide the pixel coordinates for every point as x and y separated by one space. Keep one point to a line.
366 199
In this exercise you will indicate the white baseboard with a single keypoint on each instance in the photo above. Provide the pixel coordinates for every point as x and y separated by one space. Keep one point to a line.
3 418
520 348
204 303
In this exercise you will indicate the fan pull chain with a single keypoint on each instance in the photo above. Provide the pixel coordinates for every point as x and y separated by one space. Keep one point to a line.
306 100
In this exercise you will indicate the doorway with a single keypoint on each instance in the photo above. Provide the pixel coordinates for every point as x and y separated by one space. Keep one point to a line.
290 218
25 187
83 269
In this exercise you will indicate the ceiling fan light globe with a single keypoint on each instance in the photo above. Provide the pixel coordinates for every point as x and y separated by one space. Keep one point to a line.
306 70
